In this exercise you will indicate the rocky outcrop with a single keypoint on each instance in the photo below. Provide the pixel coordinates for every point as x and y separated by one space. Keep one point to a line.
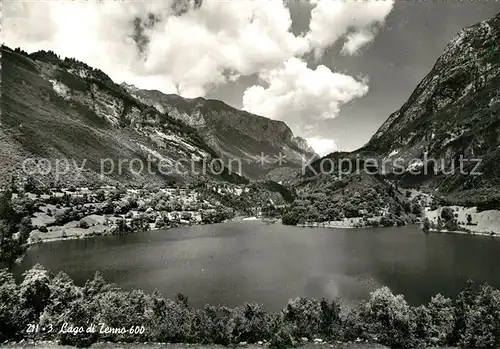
235 134
63 110
455 109
446 137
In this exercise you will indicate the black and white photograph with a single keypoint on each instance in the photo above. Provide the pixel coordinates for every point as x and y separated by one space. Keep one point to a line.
250 174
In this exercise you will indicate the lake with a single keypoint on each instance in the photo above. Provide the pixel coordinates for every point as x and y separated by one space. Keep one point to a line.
246 261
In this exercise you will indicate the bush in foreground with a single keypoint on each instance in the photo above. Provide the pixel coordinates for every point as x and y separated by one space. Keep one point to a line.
52 302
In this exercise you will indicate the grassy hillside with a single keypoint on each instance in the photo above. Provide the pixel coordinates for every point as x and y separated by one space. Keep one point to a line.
55 109
450 124
235 134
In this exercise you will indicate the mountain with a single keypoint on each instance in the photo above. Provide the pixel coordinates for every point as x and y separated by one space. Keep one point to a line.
451 118
61 114
233 133
453 113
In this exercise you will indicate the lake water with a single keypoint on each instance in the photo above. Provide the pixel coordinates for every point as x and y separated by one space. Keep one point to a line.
247 261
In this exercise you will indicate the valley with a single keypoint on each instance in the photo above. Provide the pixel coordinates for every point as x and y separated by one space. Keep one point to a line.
111 198
35 215
117 122
442 144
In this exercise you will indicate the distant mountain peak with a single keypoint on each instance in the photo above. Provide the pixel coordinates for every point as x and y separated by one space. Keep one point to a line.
74 111
453 115
235 133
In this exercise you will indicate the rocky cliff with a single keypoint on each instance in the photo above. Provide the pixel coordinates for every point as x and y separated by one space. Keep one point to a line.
235 134
453 114
445 140
63 120
62 109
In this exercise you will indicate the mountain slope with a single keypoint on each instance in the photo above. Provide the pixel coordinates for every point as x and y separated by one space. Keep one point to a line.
65 113
452 118
453 113
233 133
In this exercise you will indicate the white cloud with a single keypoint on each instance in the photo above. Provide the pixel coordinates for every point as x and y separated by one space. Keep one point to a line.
208 46
190 52
356 40
185 53
322 146
331 20
302 96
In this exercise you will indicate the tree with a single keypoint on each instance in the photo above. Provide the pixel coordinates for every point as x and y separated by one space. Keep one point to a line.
30 186
10 248
290 218
132 311
80 313
387 221
442 314
83 224
13 187
62 293
416 209
469 219
398 210
451 225
426 226
100 195
34 292
304 315
186 216
10 221
423 323
6 209
439 225
25 228
10 322
388 318
447 214
351 211
139 224
121 228
478 317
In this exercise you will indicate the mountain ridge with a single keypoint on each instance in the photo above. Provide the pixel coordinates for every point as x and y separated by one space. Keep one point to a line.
232 132
443 141
453 113
63 108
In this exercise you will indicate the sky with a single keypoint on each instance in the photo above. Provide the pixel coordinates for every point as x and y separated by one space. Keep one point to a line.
333 70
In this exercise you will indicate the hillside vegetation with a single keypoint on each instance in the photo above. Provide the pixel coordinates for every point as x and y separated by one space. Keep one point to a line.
444 142
57 309
57 108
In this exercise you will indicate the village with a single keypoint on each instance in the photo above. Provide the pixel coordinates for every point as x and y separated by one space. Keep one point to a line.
71 213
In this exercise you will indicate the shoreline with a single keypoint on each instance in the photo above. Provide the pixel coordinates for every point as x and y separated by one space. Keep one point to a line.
107 233
328 226
345 224
485 223
461 232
